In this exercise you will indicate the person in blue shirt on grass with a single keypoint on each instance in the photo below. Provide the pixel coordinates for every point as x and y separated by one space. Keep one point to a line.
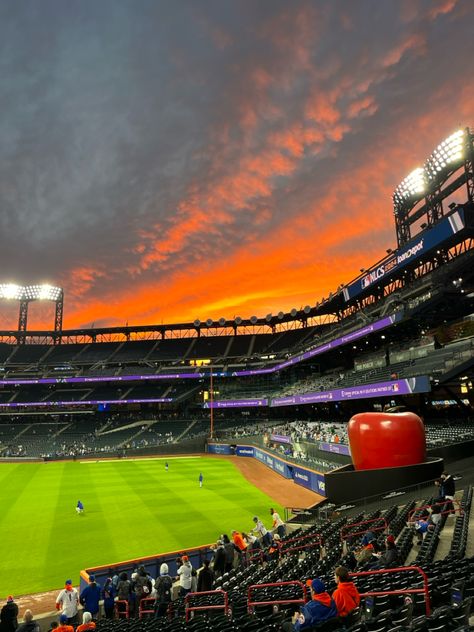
79 507
201 478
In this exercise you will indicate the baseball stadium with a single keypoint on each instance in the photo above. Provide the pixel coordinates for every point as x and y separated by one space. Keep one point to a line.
307 468
129 448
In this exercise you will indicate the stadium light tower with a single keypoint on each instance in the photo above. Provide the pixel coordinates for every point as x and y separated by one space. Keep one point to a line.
26 294
430 183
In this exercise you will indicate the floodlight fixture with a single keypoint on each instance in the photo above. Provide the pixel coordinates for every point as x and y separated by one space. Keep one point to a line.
26 294
411 188
253 320
197 322
209 322
293 312
281 315
307 309
268 317
237 320
45 292
448 155
222 322
10 291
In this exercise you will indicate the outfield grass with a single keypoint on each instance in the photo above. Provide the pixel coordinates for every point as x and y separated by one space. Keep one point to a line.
132 509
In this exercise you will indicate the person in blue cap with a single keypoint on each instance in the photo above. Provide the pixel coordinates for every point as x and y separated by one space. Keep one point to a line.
201 478
91 596
79 507
320 608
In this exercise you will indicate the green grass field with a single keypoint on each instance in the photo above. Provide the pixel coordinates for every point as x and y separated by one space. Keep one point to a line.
132 509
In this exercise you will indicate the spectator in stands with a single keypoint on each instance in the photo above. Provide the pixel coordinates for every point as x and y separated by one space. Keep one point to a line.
53 626
108 595
421 529
163 588
205 580
436 515
68 601
278 523
274 548
28 625
346 595
141 585
448 490
230 549
367 552
253 544
390 558
320 608
185 575
240 545
219 559
90 597
366 555
262 532
87 623
123 591
9 616
63 624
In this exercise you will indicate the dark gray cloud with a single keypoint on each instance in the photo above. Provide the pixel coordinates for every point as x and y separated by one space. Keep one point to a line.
144 141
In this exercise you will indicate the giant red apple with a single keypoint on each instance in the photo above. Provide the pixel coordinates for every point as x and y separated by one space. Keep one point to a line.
380 440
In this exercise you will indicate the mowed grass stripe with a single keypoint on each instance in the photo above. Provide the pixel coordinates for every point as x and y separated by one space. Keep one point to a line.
26 535
132 509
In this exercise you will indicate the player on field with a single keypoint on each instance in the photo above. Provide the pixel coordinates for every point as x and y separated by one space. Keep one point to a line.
201 478
79 507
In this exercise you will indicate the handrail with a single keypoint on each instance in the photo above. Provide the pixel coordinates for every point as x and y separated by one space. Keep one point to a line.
419 570
142 609
122 614
358 524
259 556
438 504
223 606
306 536
251 604
299 548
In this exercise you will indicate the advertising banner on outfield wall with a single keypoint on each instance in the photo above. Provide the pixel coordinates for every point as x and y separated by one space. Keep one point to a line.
310 480
219 448
300 475
244 451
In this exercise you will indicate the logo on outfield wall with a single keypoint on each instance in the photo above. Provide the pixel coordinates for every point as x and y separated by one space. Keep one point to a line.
280 467
302 477
247 451
322 486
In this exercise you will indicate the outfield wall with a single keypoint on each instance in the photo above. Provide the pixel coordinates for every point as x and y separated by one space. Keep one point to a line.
300 474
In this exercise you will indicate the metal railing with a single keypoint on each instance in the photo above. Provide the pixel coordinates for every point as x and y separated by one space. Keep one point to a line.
405 591
189 609
347 527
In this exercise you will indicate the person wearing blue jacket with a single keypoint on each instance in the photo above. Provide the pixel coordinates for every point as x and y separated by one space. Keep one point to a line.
108 595
91 596
320 608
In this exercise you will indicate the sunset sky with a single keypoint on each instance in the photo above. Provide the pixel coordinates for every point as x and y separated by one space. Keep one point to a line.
164 160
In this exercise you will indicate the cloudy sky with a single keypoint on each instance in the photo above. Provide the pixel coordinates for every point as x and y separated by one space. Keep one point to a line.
170 160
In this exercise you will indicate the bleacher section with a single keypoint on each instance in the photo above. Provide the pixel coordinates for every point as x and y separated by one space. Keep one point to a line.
264 592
